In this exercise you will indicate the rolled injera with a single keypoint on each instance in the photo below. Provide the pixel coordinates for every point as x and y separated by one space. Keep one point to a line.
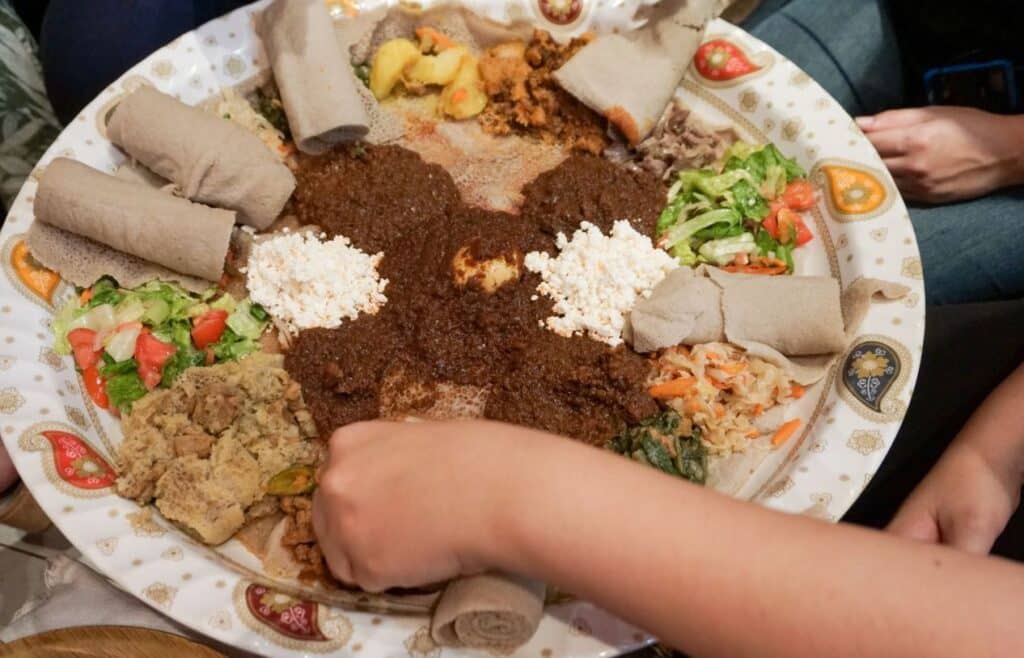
314 75
494 612
630 78
798 322
135 219
209 158
796 315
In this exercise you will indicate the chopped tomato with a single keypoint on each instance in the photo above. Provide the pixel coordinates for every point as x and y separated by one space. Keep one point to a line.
803 234
787 220
771 222
208 328
151 353
96 387
83 344
800 195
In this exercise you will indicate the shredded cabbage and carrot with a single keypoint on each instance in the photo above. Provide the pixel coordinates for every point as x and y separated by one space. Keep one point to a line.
721 391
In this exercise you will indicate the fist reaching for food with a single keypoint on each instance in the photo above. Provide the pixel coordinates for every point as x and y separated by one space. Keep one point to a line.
408 504
947 154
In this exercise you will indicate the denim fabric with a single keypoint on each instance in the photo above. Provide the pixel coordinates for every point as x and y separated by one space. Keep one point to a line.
849 47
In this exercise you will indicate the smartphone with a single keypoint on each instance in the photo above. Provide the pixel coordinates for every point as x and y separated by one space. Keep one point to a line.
990 86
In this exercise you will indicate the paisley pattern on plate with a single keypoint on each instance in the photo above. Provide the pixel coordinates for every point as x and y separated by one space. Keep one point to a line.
63 447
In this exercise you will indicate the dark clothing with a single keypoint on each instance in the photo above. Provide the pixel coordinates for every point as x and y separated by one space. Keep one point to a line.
85 46
968 350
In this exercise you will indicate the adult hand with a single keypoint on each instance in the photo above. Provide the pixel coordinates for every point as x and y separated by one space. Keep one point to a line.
8 476
964 502
945 154
408 504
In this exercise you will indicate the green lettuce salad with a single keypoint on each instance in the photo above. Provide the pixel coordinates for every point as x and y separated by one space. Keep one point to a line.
742 215
129 342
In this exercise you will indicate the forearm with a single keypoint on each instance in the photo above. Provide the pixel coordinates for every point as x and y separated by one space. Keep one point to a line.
996 430
717 577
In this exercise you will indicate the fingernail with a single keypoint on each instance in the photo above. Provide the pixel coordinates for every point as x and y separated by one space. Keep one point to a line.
865 122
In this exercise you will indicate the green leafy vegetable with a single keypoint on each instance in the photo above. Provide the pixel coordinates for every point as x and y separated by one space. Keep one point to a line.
689 228
273 111
244 323
748 202
232 347
362 72
657 442
113 368
104 291
722 252
182 360
125 389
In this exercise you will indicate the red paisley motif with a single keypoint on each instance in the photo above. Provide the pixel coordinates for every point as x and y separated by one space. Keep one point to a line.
720 60
297 620
77 463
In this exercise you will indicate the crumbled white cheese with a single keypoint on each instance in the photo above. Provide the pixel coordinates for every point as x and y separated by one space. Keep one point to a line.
305 282
596 279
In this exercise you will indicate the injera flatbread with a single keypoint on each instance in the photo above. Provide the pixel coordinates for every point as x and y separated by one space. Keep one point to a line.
630 78
83 262
175 233
496 612
798 323
314 75
210 159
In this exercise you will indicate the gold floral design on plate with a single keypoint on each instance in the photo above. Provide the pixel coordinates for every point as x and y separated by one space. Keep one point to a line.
819 507
144 525
10 400
160 594
107 546
421 645
865 442
912 268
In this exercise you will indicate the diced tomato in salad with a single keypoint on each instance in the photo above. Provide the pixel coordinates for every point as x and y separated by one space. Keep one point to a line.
83 346
151 354
208 328
95 386
800 195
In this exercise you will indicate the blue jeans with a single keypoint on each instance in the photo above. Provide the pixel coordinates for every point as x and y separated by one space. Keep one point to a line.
850 48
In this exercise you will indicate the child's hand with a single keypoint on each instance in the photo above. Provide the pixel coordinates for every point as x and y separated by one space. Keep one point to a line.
8 476
964 502
407 504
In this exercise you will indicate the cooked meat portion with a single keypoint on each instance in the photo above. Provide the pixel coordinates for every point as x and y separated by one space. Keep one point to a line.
679 142
524 98
205 449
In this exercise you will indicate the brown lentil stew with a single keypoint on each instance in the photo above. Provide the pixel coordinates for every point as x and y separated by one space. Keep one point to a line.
434 331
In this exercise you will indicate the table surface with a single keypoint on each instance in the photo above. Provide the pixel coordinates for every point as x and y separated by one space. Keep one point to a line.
22 564
106 642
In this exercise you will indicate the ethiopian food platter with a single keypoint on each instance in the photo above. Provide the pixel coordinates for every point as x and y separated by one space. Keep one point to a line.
627 223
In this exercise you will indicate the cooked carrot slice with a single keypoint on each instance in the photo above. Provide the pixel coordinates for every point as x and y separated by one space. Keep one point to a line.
675 388
785 432
797 391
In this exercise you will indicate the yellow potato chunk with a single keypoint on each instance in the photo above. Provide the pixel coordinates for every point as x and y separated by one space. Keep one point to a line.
464 97
489 274
437 69
390 63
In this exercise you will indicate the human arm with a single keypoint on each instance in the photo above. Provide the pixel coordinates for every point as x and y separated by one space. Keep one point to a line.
8 476
946 154
407 504
967 499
